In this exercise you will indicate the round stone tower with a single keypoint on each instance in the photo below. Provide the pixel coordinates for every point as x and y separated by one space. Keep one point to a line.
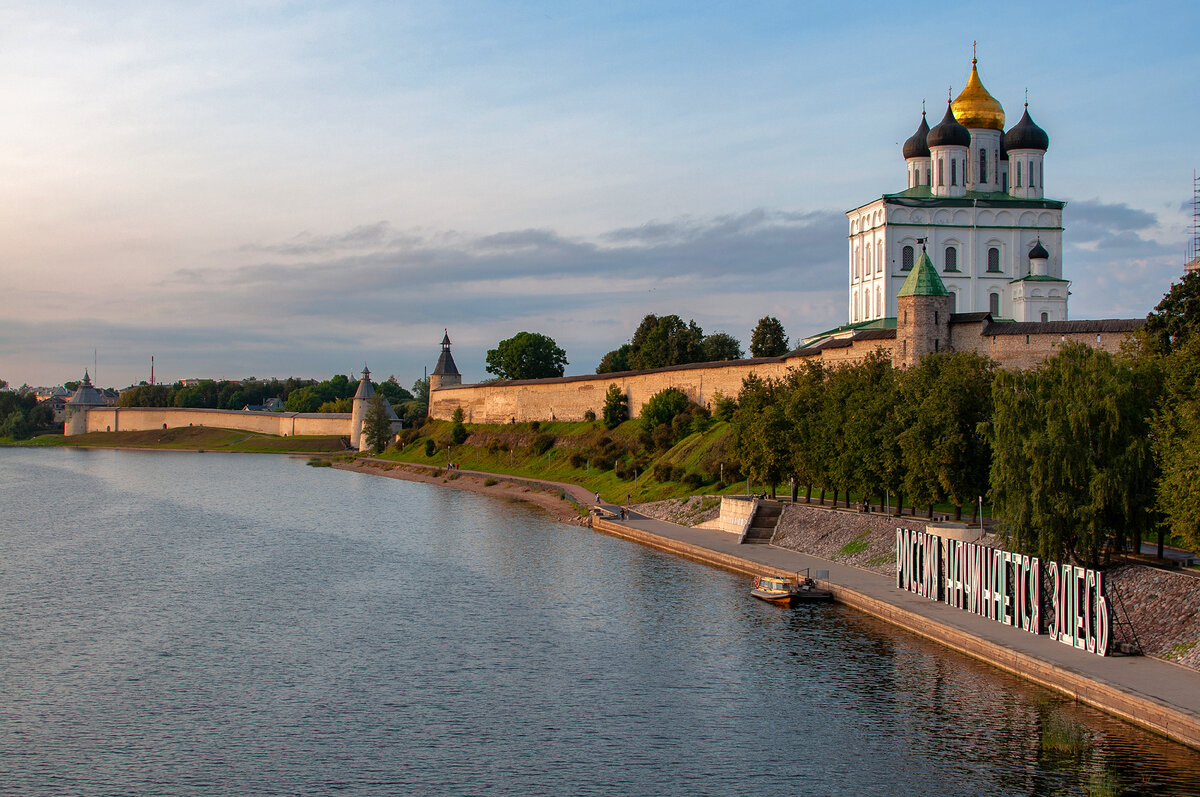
83 399
922 314
358 408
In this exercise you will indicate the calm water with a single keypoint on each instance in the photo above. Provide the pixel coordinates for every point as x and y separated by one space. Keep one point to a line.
210 624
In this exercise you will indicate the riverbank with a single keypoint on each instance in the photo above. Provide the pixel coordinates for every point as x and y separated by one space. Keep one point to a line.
545 495
1154 694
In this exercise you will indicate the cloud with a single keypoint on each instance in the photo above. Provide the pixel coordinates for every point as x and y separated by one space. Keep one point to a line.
305 304
1111 226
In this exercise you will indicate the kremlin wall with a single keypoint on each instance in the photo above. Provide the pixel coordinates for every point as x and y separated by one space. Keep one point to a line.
569 398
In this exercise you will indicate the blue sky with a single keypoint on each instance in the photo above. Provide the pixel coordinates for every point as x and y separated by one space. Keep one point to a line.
296 188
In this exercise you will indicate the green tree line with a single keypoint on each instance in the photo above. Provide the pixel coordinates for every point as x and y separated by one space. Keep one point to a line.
1087 450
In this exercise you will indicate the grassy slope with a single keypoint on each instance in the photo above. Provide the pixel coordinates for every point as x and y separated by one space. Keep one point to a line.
191 438
508 449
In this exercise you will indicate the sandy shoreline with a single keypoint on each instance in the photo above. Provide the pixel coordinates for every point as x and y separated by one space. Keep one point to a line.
547 497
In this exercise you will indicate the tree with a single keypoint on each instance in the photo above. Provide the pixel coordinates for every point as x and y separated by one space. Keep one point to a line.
721 346
768 338
391 390
806 398
526 355
616 407
1176 441
668 342
616 360
761 432
948 402
377 425
1176 319
1071 462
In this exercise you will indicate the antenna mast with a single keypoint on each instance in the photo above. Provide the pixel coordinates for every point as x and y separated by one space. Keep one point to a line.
1193 248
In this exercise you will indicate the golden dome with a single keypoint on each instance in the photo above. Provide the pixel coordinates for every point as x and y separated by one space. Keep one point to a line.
975 108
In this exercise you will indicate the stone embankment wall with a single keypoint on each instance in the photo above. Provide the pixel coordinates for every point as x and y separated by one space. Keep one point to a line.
138 419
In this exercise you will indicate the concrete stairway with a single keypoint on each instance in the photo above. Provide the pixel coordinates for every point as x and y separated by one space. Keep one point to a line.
762 527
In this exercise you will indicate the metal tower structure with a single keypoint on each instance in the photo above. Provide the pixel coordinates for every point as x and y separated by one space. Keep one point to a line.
1192 257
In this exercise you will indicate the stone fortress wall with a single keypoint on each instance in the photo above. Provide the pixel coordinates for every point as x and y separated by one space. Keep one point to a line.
139 419
1011 344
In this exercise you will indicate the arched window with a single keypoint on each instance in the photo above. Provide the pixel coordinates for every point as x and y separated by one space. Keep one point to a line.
906 258
879 257
983 165
941 167
878 303
993 259
1018 174
954 171
867 270
1045 316
953 301
867 308
857 255
951 259
994 304
926 176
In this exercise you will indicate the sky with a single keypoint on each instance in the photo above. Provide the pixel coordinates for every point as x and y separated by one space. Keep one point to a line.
273 188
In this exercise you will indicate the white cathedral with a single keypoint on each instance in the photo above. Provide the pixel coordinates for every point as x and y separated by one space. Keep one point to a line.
976 203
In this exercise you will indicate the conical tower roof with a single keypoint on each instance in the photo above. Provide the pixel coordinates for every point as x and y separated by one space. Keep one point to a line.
923 280
365 390
445 363
86 395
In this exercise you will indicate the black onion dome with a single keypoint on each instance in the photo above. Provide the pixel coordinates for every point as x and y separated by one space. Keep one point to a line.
1026 135
917 145
949 133
1038 252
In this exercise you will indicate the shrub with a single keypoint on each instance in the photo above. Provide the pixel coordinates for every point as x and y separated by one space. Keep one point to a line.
663 406
543 443
590 416
577 460
719 486
488 482
662 472
677 474
663 437
458 434
603 462
430 447
692 480
535 425
622 470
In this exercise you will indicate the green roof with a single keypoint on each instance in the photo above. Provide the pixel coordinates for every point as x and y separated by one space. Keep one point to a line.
1038 278
923 280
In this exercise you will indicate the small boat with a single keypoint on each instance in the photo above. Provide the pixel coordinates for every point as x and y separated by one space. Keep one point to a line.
801 589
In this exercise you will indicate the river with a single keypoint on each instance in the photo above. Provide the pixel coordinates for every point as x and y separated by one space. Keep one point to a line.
220 624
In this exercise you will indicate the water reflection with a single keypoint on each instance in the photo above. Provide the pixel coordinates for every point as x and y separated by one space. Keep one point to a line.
215 624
